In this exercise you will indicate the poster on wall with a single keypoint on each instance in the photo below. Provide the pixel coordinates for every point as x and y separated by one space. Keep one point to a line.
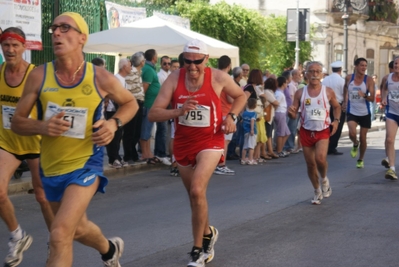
123 16
26 15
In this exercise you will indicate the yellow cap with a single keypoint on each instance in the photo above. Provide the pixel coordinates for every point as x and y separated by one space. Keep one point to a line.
80 22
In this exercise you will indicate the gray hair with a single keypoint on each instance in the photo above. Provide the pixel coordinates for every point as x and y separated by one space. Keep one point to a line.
312 63
294 72
137 58
122 63
237 72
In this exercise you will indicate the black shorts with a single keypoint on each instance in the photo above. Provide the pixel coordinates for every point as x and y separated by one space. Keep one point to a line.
24 156
363 121
269 130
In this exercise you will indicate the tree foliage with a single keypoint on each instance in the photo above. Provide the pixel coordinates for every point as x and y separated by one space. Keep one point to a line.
262 40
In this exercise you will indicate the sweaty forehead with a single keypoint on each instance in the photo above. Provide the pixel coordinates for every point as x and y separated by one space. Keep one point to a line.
64 20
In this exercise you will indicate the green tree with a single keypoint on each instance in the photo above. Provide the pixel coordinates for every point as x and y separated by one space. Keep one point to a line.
262 40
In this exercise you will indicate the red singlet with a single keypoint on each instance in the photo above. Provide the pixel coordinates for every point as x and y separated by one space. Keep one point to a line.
199 129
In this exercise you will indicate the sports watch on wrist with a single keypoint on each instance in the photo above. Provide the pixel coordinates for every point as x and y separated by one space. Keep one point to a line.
118 123
234 116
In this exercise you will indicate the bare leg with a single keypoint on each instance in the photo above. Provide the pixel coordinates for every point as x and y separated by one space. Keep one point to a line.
352 132
363 142
321 157
145 149
70 220
196 183
39 192
310 157
391 130
8 165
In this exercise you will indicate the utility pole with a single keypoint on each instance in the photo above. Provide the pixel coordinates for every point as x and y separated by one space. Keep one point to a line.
345 17
297 37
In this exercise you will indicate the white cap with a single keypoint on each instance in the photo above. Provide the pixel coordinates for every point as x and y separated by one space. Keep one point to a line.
336 64
196 46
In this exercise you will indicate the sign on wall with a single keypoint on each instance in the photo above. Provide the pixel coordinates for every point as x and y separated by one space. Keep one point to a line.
25 14
302 24
123 16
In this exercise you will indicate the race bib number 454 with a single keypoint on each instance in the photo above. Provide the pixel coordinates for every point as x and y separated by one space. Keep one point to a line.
76 116
200 117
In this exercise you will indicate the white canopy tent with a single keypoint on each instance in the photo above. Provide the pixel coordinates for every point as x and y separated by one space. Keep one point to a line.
152 32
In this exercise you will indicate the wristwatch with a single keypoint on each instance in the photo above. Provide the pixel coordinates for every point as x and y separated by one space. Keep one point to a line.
234 116
118 123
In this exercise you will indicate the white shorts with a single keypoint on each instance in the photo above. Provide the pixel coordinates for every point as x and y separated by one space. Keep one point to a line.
249 141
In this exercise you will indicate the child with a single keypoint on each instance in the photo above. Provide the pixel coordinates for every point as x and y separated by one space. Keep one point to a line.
249 127
280 117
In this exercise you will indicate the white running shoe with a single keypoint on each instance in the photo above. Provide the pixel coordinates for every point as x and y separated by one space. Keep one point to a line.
196 258
165 161
119 246
116 164
16 250
208 245
224 170
326 188
318 196
124 163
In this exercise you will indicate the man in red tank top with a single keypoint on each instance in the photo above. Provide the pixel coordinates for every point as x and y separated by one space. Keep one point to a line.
194 92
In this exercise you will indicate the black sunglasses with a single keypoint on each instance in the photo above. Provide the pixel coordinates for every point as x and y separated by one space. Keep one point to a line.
63 28
195 62
166 63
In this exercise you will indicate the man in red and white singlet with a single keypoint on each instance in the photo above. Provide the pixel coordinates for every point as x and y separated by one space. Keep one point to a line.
194 92
314 102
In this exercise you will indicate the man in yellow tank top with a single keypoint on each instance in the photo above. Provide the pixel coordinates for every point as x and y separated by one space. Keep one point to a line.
15 148
70 94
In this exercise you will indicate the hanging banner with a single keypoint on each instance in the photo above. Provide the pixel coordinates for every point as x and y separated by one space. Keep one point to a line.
179 21
123 16
26 15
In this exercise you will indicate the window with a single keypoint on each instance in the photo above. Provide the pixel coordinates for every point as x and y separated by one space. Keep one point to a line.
338 52
370 59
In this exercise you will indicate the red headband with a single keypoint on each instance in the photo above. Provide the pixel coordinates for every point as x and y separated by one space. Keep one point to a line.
11 35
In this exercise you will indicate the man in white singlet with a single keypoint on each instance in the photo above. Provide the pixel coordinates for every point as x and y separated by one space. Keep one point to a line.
314 102
390 99
358 94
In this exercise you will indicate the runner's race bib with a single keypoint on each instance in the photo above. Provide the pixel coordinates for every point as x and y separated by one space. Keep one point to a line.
354 94
200 117
76 116
315 114
8 112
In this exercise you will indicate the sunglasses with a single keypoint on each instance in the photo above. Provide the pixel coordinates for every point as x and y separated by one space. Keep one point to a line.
63 28
166 63
195 62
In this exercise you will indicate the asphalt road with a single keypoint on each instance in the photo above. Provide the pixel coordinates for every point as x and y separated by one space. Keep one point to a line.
263 214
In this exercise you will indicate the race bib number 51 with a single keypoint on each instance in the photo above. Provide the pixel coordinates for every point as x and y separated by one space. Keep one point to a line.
200 117
76 116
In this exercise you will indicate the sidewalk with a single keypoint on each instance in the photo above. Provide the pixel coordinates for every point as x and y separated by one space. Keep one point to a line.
24 184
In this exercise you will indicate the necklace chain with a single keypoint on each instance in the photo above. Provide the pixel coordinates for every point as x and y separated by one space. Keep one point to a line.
191 92
73 76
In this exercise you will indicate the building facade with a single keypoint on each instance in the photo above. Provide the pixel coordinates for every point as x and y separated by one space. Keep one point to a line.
375 40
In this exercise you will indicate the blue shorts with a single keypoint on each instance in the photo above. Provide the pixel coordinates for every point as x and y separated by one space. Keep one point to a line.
393 117
146 125
54 186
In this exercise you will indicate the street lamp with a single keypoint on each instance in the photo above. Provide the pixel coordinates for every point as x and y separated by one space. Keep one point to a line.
345 17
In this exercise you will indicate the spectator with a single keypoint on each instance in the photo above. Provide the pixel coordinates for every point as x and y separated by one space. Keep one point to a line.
175 65
114 159
250 132
132 129
270 90
280 118
245 72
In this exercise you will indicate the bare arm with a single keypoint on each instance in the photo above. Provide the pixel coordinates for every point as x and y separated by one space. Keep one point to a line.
293 109
384 91
384 81
110 87
159 110
371 89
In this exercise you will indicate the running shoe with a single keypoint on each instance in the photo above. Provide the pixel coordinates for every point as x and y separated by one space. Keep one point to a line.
124 163
174 171
318 196
116 164
208 245
360 164
282 155
224 170
16 249
326 189
119 246
385 163
165 161
354 151
391 174
196 258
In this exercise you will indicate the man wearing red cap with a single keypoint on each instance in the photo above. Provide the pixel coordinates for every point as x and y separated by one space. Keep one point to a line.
71 93
194 92
15 148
